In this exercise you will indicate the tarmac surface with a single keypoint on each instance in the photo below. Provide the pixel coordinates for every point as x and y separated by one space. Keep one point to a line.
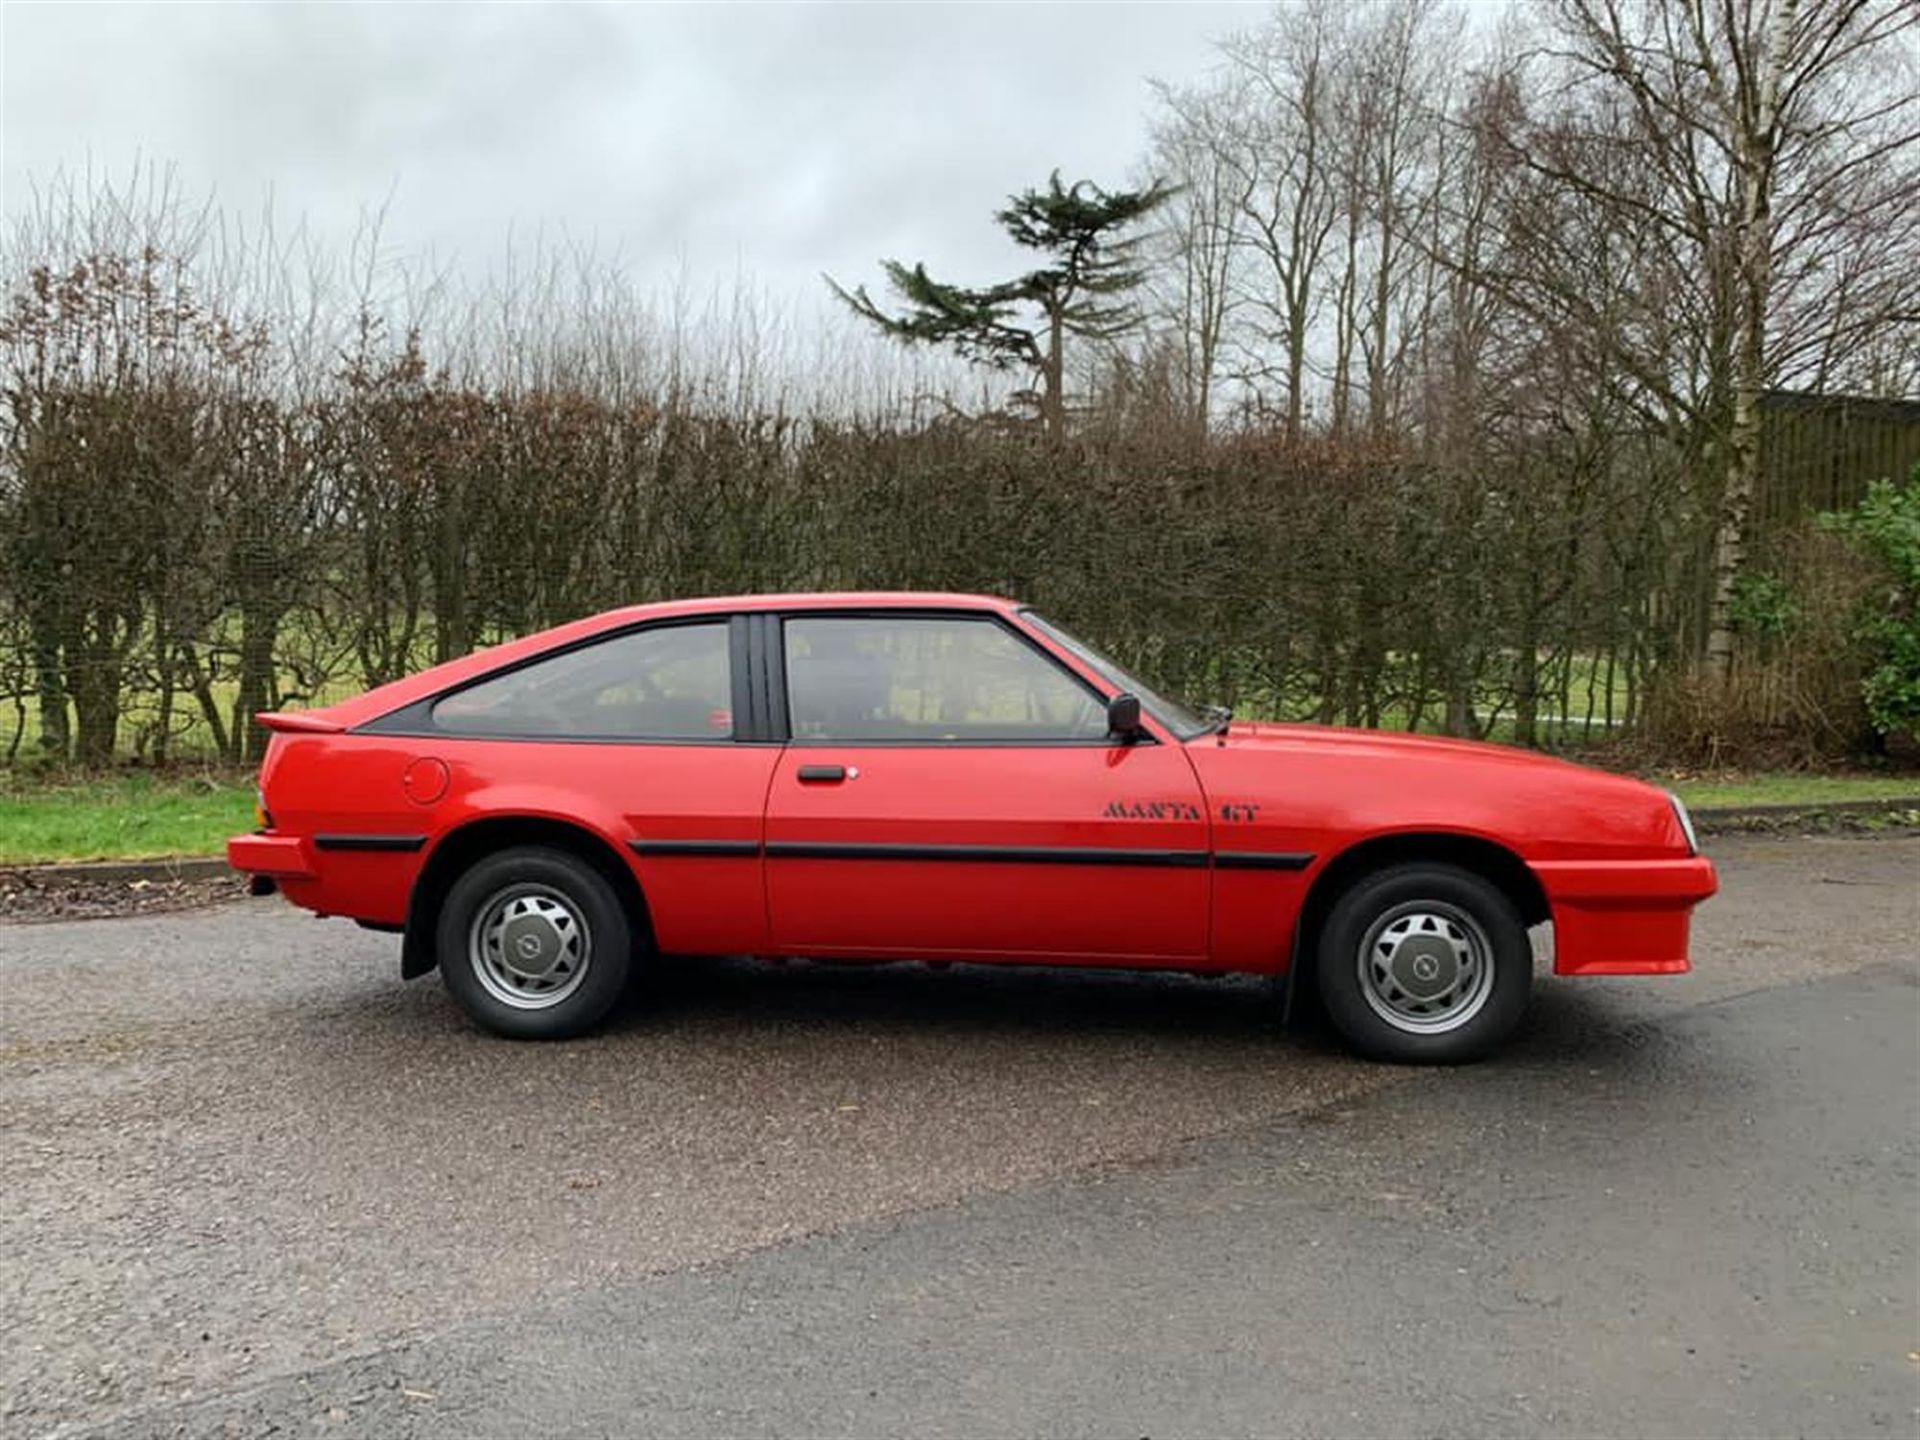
255 1184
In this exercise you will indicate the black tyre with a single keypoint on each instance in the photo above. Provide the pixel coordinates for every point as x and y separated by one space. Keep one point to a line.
534 943
1424 963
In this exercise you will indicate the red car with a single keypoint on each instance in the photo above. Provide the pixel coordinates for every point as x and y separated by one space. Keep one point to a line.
943 777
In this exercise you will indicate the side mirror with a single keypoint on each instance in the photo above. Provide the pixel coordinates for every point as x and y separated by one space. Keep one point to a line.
1123 717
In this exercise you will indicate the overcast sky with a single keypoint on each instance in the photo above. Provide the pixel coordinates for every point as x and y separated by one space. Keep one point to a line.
782 140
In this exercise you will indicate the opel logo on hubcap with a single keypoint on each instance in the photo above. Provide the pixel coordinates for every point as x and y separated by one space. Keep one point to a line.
528 946
1425 967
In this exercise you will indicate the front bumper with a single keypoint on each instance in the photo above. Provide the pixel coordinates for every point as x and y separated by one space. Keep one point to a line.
1624 917
281 857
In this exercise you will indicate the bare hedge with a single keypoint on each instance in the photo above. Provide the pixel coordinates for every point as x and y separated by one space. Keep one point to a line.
196 527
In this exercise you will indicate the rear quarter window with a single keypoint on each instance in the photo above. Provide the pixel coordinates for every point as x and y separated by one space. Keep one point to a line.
672 682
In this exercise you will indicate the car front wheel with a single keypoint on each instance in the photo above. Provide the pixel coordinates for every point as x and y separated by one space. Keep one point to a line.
1425 963
534 943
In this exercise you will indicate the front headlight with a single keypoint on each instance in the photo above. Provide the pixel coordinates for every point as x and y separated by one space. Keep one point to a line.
1686 822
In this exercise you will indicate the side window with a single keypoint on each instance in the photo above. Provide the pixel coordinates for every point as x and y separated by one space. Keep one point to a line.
672 682
921 678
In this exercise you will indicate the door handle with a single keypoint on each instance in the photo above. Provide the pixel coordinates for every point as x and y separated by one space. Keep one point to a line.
822 774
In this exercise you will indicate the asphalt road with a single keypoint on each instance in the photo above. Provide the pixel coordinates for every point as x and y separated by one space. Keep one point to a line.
253 1183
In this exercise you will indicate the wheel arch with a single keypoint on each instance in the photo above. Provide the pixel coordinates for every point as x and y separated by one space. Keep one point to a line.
487 834
1492 861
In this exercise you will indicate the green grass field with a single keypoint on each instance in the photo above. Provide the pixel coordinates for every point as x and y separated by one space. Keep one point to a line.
136 815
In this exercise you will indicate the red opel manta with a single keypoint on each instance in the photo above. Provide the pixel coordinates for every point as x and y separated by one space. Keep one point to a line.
943 777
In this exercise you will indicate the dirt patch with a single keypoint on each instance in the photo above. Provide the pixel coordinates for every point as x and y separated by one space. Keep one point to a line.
29 894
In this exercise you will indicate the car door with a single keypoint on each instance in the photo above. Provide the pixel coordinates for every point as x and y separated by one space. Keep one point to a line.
950 790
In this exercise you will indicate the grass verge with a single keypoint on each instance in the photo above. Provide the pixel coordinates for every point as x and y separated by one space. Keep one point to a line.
1703 792
123 816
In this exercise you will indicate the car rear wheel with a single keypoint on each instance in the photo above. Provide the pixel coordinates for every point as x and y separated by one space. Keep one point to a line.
1425 963
534 943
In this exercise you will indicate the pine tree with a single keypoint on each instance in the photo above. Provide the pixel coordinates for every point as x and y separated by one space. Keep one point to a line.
1092 266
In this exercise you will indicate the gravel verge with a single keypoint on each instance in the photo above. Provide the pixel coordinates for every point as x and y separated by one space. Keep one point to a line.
75 892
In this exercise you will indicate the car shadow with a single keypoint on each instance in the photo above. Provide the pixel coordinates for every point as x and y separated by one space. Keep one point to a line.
1604 1030
964 997
1569 1023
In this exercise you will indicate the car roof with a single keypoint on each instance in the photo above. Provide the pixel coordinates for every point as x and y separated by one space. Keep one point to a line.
362 708
816 600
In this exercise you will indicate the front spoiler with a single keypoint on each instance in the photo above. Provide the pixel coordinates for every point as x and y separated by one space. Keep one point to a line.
1624 917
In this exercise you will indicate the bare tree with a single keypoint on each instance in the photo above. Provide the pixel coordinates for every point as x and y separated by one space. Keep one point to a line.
1192 284
1323 128
1283 85
1761 150
1392 111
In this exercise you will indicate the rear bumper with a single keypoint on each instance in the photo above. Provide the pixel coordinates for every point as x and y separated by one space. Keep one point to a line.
364 877
284 857
1624 917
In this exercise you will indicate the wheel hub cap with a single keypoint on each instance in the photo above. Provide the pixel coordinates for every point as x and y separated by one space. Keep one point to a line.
1426 967
530 947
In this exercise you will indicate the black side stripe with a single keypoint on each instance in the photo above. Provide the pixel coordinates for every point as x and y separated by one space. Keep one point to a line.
743 848
1001 854
404 844
975 854
1260 860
